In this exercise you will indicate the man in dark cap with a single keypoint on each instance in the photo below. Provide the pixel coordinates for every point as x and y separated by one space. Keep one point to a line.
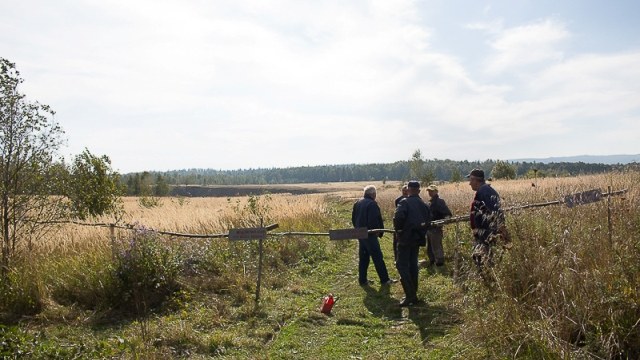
486 218
411 218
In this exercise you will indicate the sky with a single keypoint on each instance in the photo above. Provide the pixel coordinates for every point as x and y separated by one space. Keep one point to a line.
167 84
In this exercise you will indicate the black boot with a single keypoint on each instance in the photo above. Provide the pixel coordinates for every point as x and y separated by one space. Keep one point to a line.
409 293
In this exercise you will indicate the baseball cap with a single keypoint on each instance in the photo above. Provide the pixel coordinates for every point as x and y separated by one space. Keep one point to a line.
476 173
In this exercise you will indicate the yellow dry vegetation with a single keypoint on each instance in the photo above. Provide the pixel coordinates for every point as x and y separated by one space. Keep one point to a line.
207 215
182 215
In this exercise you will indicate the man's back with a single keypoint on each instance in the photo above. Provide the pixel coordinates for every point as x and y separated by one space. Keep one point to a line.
411 216
366 213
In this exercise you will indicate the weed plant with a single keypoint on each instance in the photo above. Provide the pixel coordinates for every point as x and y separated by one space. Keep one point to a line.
147 269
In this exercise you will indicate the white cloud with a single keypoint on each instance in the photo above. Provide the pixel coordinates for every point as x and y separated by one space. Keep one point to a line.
590 88
522 46
491 27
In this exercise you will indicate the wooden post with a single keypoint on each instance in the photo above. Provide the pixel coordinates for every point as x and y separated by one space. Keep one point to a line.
259 234
535 183
260 251
112 236
609 217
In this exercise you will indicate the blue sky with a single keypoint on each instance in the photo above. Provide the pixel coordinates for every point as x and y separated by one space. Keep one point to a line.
161 85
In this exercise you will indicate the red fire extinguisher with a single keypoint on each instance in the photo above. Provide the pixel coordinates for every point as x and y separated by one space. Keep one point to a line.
327 304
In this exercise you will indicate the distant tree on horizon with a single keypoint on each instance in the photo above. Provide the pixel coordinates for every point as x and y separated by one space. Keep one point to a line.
503 170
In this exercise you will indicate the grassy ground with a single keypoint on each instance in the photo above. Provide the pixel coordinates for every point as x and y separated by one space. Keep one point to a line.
366 322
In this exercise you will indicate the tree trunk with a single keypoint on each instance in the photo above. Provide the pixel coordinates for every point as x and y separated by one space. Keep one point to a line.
6 239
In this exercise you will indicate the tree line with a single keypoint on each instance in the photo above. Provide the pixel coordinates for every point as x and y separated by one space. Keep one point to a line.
155 183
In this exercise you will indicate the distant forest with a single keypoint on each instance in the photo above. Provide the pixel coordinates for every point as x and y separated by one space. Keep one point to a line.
161 183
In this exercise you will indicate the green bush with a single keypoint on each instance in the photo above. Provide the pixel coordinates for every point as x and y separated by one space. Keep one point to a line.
147 269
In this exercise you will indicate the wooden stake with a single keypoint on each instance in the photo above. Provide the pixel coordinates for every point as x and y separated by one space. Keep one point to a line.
609 217
260 251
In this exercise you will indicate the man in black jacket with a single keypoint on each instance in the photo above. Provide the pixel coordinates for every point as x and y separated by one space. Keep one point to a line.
411 218
366 213
405 193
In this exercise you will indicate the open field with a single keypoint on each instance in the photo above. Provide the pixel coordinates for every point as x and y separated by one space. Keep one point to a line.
245 190
563 291
190 213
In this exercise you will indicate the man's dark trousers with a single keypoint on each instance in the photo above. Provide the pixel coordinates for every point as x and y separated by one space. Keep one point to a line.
371 247
407 265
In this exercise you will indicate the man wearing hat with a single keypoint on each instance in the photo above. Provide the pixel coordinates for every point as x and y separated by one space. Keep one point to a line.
439 211
411 218
486 218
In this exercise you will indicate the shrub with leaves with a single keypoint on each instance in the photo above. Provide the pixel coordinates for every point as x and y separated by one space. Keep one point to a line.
18 343
149 202
94 187
147 269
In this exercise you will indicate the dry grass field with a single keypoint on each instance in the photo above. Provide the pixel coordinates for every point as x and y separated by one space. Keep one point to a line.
209 215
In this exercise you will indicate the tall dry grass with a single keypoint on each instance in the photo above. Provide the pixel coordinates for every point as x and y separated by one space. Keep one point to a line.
566 289
211 215
180 215
80 264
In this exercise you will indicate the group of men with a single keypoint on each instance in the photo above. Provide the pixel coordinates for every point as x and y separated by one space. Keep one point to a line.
412 222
